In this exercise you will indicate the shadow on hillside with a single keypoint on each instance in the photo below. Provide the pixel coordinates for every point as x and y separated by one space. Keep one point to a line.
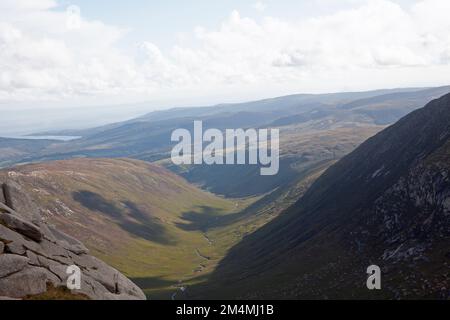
206 218
129 217
237 181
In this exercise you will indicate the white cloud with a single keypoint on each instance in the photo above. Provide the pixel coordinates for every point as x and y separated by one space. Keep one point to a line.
259 6
40 58
26 5
375 43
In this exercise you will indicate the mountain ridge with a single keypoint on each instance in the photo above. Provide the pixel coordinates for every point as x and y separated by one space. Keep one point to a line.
342 216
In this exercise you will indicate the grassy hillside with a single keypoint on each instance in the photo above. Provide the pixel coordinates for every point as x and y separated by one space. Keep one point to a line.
146 221
131 214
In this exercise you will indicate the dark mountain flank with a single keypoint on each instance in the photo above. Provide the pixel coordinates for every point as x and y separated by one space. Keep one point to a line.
387 203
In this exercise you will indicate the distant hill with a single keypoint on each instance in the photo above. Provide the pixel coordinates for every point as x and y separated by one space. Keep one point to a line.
148 137
388 108
351 116
386 203
12 150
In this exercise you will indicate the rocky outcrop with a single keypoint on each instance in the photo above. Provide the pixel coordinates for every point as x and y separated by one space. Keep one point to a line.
411 215
35 256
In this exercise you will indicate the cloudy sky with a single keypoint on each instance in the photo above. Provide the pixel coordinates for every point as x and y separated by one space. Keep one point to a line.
60 53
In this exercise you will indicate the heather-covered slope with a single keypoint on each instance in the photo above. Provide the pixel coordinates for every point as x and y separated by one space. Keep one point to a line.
386 203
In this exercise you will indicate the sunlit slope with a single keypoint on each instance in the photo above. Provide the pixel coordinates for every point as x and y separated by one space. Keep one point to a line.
134 215
146 221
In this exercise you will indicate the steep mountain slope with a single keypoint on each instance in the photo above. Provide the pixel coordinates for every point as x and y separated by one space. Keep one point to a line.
386 203
133 215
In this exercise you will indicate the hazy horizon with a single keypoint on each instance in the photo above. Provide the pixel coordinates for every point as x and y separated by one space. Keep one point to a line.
48 118
80 64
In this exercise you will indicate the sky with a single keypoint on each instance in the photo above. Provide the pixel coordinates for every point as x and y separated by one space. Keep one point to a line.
61 54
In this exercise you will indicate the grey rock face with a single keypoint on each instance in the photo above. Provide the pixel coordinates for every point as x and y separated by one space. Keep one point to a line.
34 255
67 241
19 201
30 281
9 235
33 258
11 263
23 227
16 248
2 195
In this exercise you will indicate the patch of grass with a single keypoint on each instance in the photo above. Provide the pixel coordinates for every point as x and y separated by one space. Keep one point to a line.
59 293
